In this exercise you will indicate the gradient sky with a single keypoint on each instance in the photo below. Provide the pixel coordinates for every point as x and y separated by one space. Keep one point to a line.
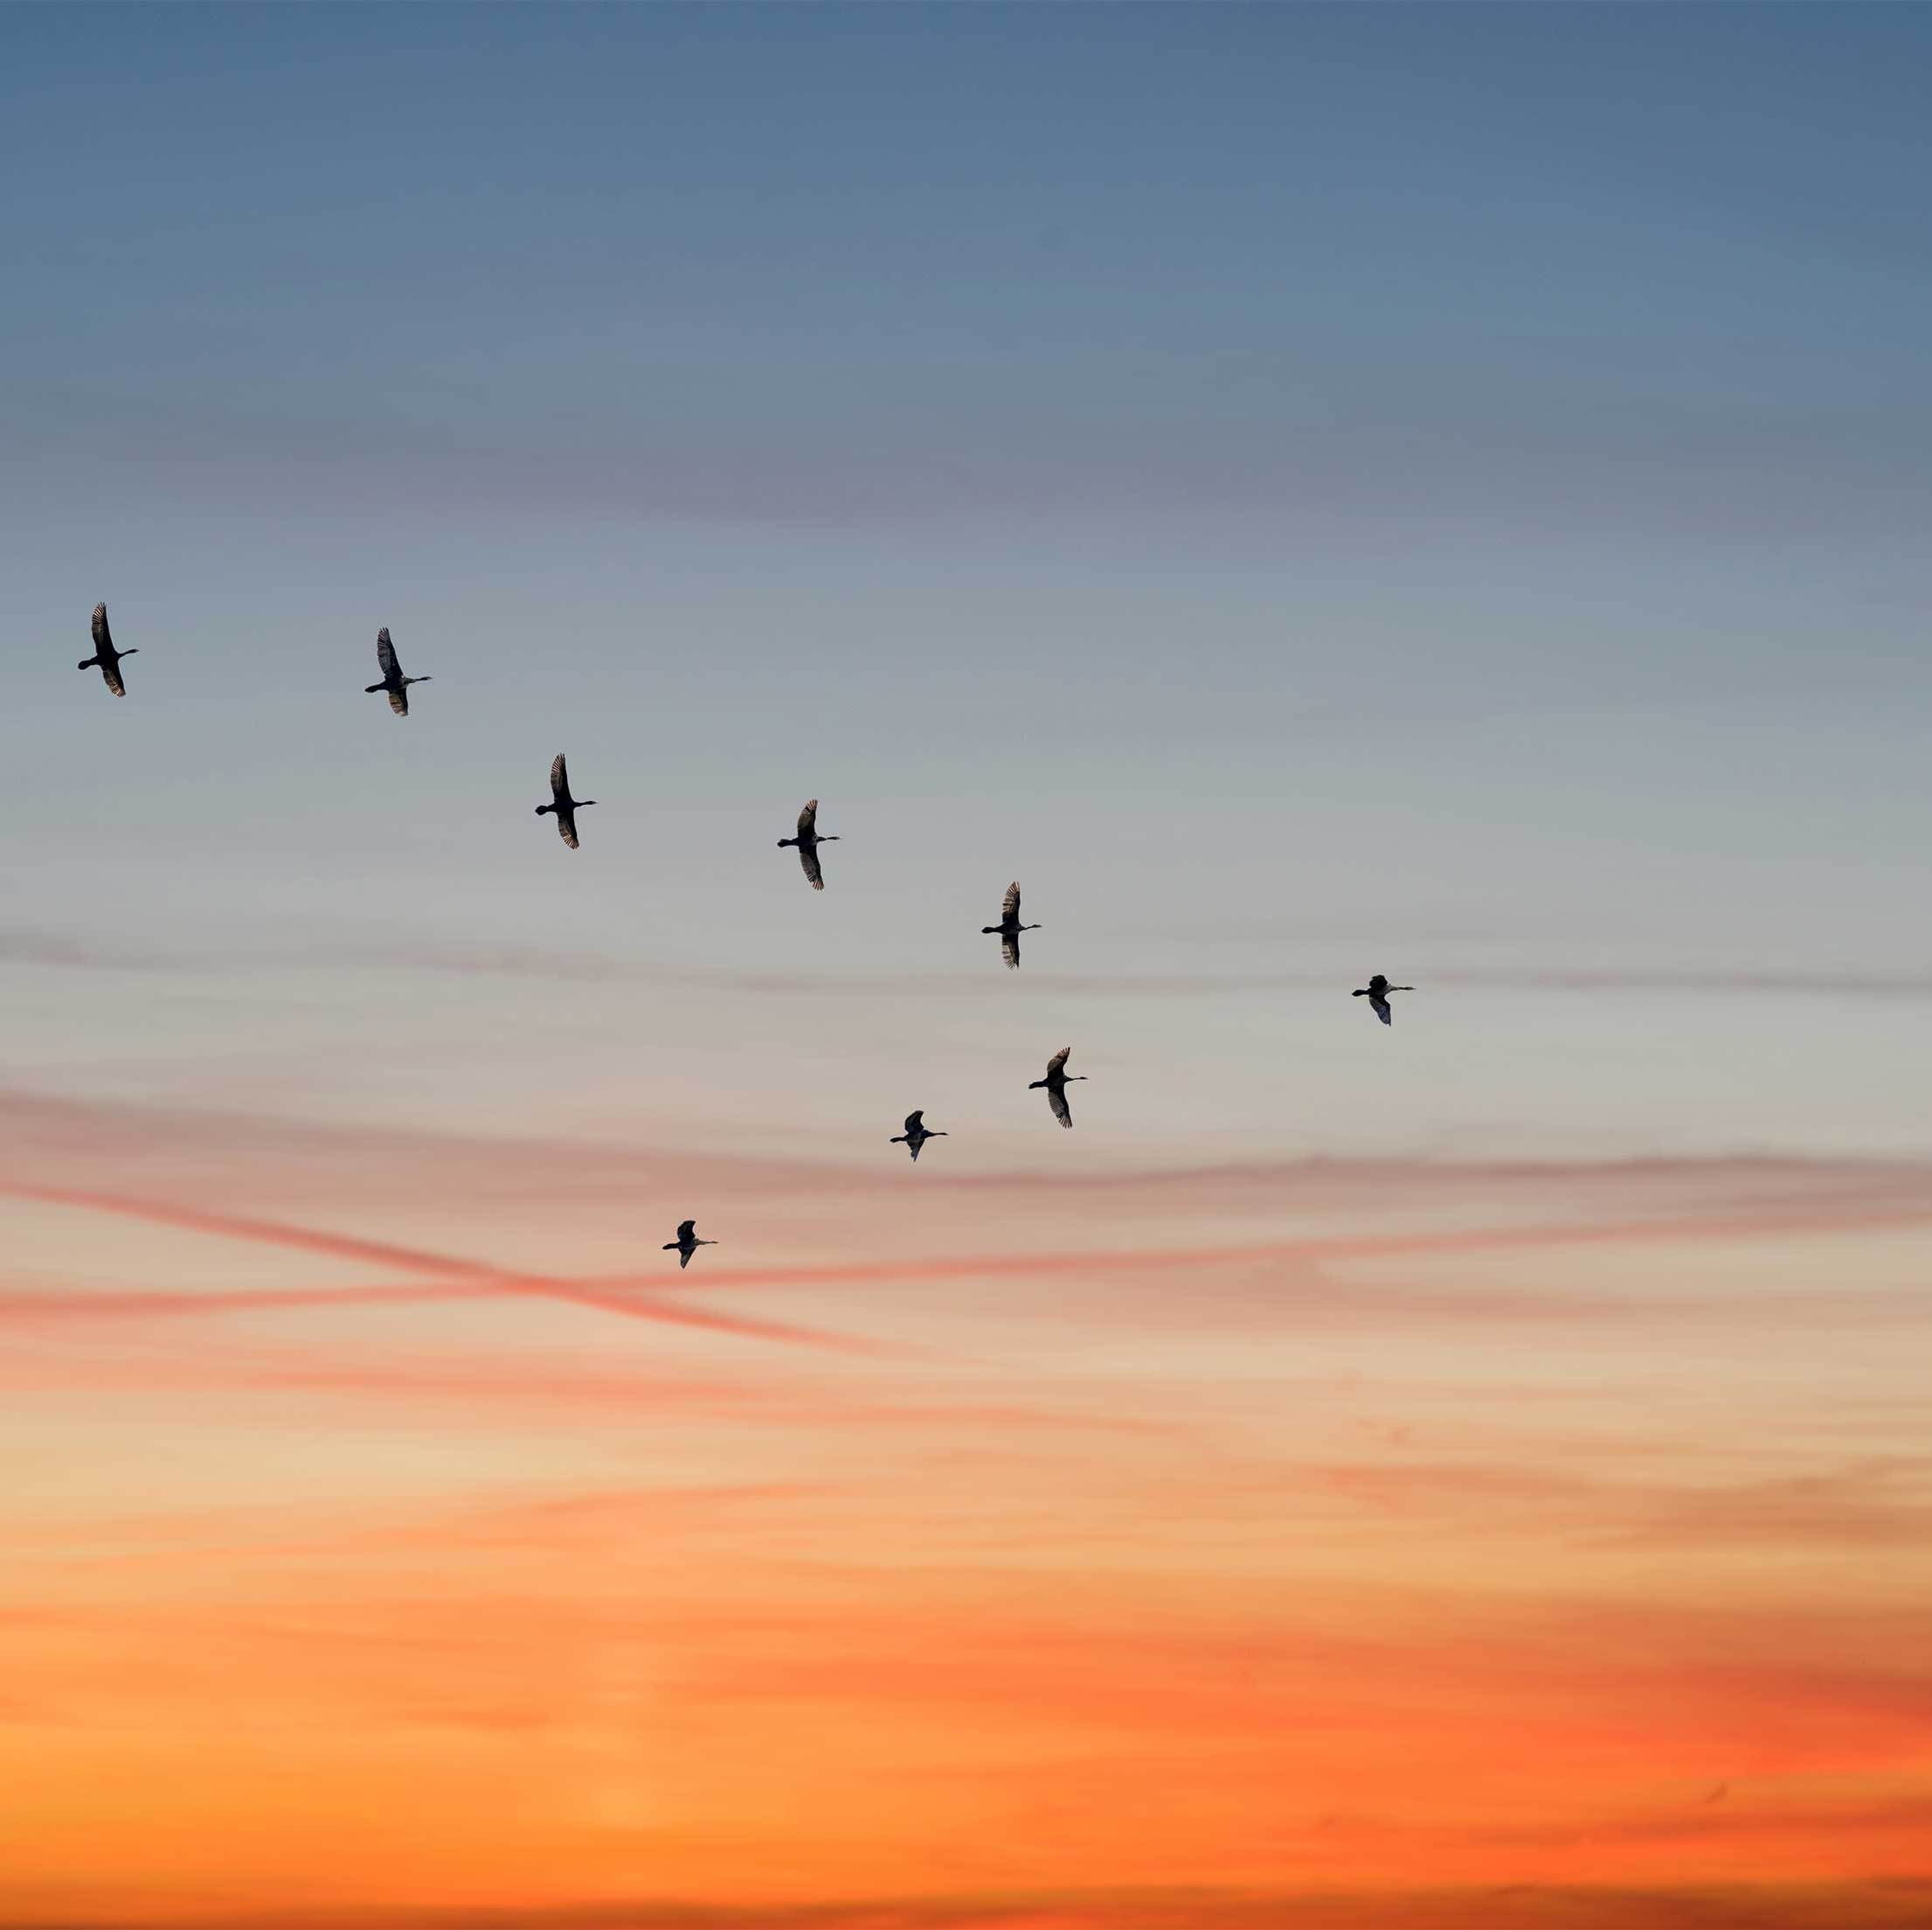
1309 492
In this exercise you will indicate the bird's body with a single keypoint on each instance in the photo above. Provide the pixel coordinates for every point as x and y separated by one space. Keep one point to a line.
808 841
393 680
1055 1083
1009 928
1376 991
687 1244
105 654
916 1134
563 803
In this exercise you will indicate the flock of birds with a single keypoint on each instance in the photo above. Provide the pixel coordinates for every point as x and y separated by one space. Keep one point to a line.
107 659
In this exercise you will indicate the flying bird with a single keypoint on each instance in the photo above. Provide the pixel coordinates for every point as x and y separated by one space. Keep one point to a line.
393 680
1009 927
687 1244
105 654
1056 1083
1376 991
565 807
916 1134
808 841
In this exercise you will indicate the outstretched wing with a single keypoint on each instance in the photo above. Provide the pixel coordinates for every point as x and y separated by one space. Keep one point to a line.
566 824
386 655
808 819
1009 950
398 700
560 778
914 1122
103 639
110 675
1009 911
687 1230
684 1257
1058 1062
1057 1098
1382 1011
808 863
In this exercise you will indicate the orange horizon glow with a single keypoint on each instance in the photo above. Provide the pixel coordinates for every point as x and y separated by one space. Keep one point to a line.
1040 1596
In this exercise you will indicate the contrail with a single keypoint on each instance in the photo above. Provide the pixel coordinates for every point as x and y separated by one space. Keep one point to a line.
480 1278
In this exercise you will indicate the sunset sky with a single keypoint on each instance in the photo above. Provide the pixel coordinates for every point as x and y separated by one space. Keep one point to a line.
1309 492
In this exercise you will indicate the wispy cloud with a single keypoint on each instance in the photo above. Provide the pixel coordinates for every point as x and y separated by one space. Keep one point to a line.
41 1135
1874 1503
65 951
1291 1262
1332 1279
552 964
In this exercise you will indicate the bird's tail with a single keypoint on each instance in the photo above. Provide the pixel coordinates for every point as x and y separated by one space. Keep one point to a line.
542 808
370 690
1358 994
92 663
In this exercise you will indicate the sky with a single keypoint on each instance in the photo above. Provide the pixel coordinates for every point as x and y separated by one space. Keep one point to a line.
1308 491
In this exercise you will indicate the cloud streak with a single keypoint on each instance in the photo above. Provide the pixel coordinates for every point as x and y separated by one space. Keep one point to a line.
1297 1263
510 959
481 1277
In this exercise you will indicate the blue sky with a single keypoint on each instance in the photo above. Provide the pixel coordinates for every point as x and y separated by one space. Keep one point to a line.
1311 491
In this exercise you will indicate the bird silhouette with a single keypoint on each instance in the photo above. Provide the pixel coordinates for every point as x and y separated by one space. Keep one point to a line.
808 841
564 804
1009 927
105 654
1057 1083
393 680
1376 991
916 1134
687 1244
